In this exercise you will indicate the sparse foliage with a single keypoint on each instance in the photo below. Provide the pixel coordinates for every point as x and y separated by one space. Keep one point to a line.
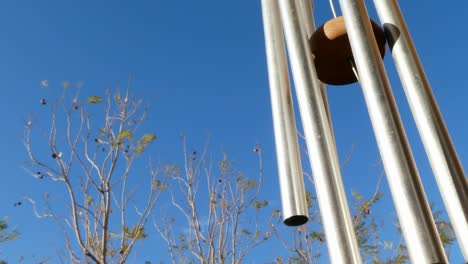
5 233
94 158
92 151
399 252
224 226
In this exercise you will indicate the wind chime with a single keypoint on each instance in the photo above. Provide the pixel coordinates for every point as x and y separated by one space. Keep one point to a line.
342 51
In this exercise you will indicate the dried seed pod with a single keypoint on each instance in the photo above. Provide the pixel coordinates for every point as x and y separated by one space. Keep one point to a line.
256 148
367 211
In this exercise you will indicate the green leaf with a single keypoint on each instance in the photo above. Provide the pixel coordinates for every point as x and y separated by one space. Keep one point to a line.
111 252
250 184
239 181
89 200
245 232
144 141
260 204
163 186
147 138
94 99
357 195
309 199
256 234
136 232
125 134
156 184
6 235
182 238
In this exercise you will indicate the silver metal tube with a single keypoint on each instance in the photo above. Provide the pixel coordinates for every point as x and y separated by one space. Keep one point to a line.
443 157
293 196
307 16
419 230
305 9
339 231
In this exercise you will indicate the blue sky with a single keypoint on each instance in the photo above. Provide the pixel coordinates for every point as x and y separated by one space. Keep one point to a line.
202 65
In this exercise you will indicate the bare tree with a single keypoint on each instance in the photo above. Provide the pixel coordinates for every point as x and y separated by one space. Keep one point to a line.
219 208
91 152
91 149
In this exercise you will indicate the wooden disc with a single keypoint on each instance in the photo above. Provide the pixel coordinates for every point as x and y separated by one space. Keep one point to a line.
332 51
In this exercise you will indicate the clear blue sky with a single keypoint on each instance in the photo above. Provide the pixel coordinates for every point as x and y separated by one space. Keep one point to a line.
203 65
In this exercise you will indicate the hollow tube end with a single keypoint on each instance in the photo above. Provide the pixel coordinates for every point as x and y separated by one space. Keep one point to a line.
296 220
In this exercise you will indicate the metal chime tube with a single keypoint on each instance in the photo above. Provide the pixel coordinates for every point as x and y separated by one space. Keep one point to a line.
333 205
306 9
287 150
418 227
443 158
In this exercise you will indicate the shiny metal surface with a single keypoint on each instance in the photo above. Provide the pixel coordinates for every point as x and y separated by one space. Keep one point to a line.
339 231
307 18
443 158
419 230
293 196
305 8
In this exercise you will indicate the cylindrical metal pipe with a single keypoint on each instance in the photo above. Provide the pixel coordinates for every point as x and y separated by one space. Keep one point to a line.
339 231
295 211
307 17
414 213
305 9
443 157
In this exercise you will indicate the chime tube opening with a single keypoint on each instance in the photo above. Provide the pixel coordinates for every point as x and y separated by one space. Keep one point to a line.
296 220
339 230
293 197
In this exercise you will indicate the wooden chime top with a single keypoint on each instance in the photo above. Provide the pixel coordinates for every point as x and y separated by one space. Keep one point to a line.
332 51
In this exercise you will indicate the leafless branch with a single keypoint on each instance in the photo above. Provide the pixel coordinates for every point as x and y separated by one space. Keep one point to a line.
94 181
